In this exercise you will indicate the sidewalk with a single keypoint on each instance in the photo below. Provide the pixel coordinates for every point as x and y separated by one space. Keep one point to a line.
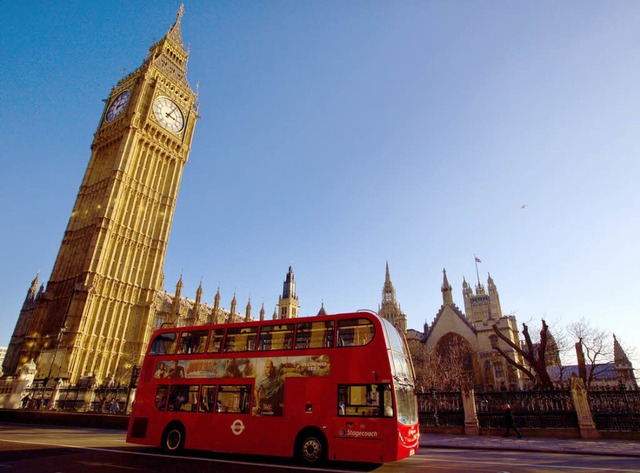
627 448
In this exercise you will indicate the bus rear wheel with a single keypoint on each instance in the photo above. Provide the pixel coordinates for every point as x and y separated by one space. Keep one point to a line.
173 438
311 448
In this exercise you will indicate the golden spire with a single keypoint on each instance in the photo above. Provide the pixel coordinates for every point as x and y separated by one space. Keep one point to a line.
175 35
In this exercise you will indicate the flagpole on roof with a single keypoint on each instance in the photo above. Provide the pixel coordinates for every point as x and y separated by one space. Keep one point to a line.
477 260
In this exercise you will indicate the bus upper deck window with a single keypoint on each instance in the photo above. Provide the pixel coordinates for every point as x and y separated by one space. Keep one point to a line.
314 335
215 342
164 344
193 342
276 337
241 339
355 332
303 335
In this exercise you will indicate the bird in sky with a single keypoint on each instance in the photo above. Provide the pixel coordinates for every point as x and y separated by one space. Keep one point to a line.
524 206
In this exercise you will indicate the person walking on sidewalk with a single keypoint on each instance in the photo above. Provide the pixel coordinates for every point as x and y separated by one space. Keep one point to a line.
508 420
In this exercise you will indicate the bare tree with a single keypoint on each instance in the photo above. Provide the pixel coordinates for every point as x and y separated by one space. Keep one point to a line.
534 355
448 369
594 349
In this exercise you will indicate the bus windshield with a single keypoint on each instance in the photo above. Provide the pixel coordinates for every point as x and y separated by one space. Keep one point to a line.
400 363
402 374
406 400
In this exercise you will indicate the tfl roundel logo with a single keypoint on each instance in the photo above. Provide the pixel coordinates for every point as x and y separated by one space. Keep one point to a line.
237 427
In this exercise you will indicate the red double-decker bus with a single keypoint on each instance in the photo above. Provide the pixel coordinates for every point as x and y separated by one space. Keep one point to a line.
336 387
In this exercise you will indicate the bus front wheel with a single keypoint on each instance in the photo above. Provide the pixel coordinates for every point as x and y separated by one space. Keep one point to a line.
311 447
173 438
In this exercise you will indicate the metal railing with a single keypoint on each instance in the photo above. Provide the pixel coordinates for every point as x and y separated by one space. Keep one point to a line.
440 409
531 409
107 400
615 410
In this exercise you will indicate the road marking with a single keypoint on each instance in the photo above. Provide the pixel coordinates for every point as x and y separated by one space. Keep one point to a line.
110 465
552 467
181 457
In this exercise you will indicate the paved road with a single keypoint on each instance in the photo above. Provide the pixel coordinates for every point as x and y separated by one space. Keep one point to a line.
602 446
29 448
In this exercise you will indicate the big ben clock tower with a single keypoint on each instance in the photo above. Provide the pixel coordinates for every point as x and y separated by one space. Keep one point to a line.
96 315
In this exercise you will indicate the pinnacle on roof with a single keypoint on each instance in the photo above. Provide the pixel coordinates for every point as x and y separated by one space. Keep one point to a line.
619 355
445 281
174 34
174 39
322 311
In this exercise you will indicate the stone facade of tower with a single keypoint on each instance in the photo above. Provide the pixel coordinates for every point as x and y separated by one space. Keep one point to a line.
481 305
389 309
475 334
288 305
10 363
97 312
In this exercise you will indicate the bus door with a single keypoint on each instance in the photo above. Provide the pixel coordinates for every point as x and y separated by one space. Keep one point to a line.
228 406
364 420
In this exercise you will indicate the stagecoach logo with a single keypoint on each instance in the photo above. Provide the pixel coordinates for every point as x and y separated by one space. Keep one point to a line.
357 433
237 427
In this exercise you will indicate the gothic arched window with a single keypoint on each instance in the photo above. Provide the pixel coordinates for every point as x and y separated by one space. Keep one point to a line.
455 351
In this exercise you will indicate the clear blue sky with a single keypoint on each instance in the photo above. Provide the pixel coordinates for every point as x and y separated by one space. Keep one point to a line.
336 136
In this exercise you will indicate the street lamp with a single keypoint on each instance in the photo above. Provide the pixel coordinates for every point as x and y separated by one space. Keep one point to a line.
53 360
55 353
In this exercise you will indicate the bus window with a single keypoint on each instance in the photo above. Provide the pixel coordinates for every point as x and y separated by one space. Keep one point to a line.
276 337
164 344
314 335
387 400
303 335
193 342
368 400
215 343
241 339
355 332
395 339
161 396
208 399
193 397
234 399
183 397
407 413
400 365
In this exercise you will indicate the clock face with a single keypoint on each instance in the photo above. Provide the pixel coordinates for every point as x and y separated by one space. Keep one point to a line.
168 114
118 105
